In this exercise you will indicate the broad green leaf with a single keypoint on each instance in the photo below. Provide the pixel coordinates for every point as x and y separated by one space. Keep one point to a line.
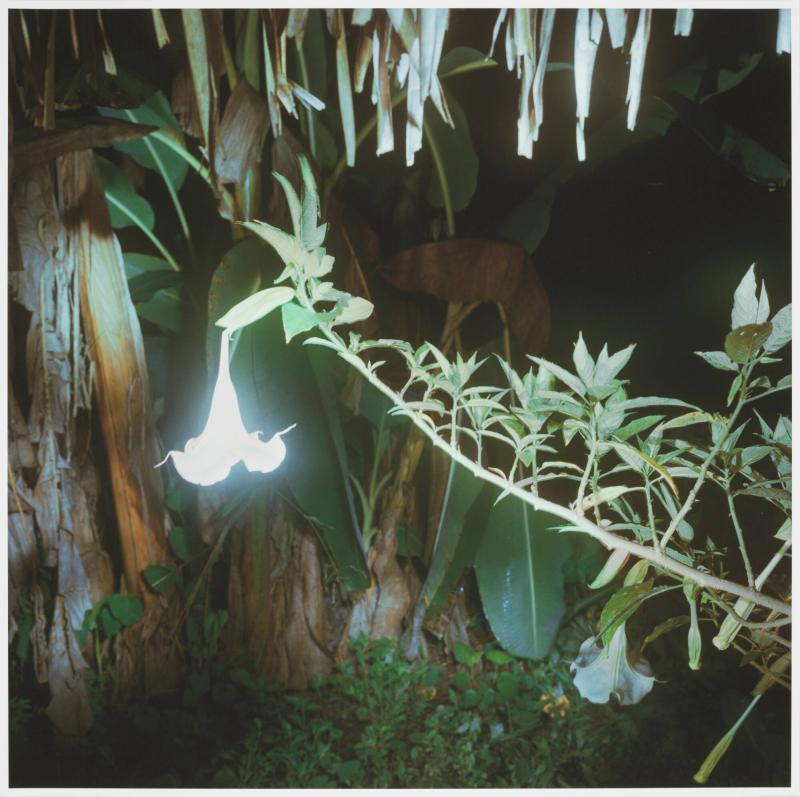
718 359
185 543
144 286
297 319
519 576
126 608
688 419
455 163
160 578
745 154
111 625
620 606
463 59
639 425
664 628
634 452
654 401
615 562
464 654
255 307
293 383
781 329
147 151
356 309
125 206
459 532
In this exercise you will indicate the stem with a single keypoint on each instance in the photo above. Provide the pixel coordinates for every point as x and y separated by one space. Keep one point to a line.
739 535
577 521
650 517
143 227
701 476
443 184
585 477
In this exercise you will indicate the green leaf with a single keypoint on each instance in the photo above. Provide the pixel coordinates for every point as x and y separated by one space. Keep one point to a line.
584 364
126 608
519 576
606 494
615 562
498 657
462 524
147 151
464 654
781 329
111 625
745 302
145 286
620 606
718 359
735 386
255 307
356 309
456 163
125 206
570 380
463 59
639 425
185 543
291 383
297 319
160 578
664 628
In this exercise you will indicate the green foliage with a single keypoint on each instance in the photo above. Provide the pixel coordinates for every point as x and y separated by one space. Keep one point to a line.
380 722
519 576
110 615
149 151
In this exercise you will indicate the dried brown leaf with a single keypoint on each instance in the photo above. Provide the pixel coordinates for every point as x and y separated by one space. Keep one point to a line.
241 133
478 271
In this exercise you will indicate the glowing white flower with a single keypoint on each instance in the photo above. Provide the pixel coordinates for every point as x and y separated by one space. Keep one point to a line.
600 672
208 459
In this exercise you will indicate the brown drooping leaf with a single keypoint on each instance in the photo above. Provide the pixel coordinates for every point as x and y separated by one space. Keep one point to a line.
200 50
48 146
183 105
241 133
478 271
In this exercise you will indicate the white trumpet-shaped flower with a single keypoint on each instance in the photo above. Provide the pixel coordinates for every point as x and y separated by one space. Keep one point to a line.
224 441
599 672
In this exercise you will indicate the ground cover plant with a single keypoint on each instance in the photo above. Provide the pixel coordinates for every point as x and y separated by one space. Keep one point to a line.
354 441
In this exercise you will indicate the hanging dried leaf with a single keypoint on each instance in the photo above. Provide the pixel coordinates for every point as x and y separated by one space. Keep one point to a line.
109 64
381 89
160 27
183 105
241 133
478 271
587 37
203 80
638 54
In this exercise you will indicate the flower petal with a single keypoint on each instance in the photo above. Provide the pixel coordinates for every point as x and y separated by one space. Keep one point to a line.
600 672
264 457
204 466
